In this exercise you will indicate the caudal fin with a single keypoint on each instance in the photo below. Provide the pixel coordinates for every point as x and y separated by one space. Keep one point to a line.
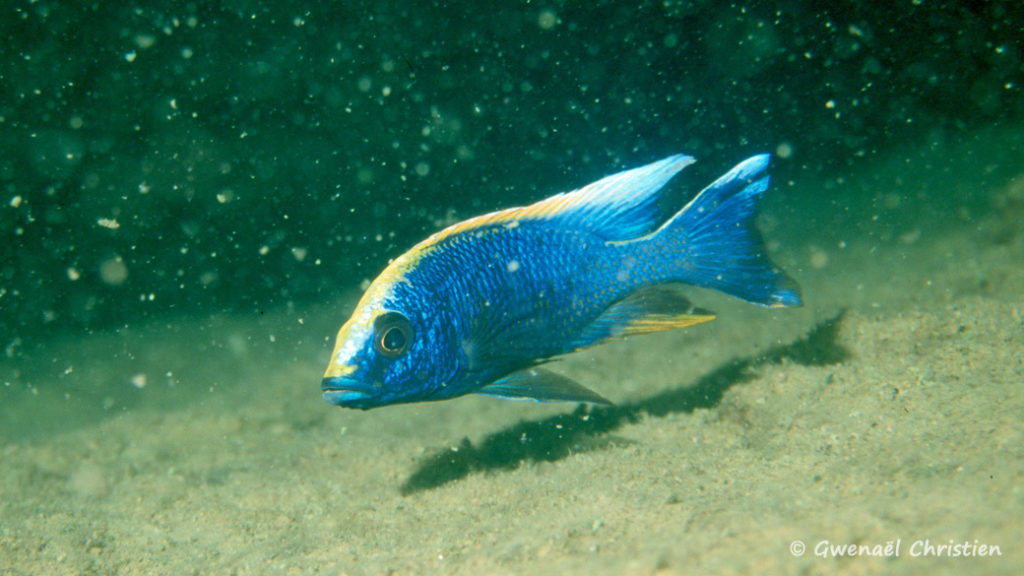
718 244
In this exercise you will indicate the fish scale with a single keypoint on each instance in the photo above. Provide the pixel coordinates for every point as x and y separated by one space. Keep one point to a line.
529 284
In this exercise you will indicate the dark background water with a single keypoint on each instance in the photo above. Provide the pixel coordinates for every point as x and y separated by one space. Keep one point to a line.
245 155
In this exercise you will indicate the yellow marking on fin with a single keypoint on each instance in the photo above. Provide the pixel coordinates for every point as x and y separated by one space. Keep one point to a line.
661 322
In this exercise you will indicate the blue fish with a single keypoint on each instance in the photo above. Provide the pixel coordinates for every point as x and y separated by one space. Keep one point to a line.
480 305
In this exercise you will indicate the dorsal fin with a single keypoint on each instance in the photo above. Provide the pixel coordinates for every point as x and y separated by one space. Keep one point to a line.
616 207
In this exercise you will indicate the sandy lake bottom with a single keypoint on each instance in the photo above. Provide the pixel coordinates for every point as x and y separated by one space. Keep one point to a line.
887 411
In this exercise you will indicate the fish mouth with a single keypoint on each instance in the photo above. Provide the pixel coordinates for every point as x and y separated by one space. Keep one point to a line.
348 392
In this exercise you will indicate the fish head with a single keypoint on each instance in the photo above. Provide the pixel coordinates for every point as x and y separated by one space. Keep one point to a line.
391 351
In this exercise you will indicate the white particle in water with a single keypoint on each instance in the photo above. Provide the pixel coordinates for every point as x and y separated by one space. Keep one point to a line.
139 381
144 41
819 258
547 19
113 271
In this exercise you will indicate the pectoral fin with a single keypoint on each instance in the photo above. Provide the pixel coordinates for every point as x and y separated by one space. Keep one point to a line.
541 386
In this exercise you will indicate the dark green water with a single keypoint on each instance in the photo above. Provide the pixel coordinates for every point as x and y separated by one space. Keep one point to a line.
244 156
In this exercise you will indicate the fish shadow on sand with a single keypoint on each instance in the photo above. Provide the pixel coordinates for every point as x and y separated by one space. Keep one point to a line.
587 428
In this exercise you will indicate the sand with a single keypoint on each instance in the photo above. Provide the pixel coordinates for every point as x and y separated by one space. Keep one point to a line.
888 411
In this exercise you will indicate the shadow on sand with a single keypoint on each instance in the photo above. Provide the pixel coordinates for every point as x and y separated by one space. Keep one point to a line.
559 436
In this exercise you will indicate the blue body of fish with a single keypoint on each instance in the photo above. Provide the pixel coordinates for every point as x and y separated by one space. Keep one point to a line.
477 307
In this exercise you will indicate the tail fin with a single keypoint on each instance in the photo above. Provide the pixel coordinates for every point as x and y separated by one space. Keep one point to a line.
719 244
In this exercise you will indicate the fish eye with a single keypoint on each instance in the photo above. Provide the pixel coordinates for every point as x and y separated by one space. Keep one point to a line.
392 334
